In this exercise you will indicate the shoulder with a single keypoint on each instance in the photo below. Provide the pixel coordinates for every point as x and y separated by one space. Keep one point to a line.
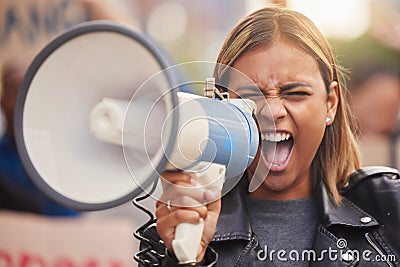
371 177
376 190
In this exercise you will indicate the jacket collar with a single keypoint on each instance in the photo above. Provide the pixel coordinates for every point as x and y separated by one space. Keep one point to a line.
346 213
234 222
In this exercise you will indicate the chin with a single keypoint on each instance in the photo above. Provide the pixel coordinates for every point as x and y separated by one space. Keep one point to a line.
277 183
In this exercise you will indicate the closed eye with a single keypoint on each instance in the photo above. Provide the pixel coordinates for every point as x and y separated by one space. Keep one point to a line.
296 91
300 93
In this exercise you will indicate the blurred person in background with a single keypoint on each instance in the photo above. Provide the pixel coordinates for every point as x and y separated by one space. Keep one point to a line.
375 90
376 99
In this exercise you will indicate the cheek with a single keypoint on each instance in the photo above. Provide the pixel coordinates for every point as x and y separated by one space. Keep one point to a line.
309 122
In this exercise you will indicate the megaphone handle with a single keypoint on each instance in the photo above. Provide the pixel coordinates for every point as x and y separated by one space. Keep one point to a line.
188 235
187 241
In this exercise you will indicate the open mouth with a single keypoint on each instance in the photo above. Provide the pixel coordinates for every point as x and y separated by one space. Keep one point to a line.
277 149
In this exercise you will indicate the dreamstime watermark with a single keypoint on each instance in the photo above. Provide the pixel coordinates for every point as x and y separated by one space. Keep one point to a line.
331 254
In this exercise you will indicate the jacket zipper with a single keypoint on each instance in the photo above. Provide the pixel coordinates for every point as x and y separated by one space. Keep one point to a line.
371 242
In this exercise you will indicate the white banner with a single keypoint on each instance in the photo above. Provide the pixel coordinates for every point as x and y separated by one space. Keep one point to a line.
28 240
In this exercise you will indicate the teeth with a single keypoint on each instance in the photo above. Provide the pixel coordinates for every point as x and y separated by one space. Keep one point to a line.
271 137
275 137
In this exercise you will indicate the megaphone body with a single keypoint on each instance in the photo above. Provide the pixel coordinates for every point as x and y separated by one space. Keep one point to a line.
209 130
216 139
100 115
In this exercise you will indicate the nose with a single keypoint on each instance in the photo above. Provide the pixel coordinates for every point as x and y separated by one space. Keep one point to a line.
272 108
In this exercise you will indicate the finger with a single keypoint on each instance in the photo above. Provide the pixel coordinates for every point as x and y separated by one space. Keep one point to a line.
182 203
178 216
214 207
212 193
166 225
172 177
215 204
181 189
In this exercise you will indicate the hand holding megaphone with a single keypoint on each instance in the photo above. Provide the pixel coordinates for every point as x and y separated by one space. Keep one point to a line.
208 133
187 213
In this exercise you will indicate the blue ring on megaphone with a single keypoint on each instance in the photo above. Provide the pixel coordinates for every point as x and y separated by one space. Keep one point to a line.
226 129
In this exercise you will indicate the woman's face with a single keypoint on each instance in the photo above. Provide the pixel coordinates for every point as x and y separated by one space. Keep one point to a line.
292 111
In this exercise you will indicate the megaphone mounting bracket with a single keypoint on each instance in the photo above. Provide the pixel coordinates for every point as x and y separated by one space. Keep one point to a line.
211 91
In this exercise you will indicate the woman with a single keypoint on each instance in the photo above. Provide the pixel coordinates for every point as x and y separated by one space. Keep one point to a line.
308 209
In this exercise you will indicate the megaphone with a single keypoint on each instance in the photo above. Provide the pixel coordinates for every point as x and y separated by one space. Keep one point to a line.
101 113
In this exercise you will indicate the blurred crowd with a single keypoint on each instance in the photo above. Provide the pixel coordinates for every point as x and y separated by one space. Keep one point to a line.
375 91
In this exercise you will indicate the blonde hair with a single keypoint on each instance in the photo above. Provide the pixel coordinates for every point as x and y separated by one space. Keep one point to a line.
338 154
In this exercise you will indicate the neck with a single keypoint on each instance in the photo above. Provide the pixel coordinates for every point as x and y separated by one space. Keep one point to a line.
301 188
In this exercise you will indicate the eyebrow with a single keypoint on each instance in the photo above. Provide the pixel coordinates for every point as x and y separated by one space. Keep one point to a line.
293 85
283 88
248 88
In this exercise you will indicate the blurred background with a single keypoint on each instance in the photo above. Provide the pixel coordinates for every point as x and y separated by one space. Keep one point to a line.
364 33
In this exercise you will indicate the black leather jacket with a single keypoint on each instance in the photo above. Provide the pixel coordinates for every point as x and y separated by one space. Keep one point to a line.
363 231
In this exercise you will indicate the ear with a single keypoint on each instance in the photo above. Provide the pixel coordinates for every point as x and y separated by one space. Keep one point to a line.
332 102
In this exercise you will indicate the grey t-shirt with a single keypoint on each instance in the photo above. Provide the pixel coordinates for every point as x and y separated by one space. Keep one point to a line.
287 226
